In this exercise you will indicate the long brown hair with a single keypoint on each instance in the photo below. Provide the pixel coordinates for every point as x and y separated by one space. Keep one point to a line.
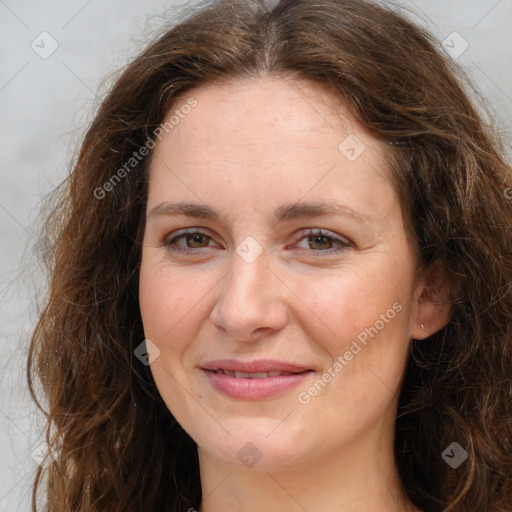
116 446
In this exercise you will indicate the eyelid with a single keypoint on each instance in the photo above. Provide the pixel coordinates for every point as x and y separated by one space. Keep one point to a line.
307 232
186 231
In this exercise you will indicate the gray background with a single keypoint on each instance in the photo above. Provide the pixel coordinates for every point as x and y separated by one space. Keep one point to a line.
45 105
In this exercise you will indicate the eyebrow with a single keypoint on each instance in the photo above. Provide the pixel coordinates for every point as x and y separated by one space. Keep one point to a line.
284 212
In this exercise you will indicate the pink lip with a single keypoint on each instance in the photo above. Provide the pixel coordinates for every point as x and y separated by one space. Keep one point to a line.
254 388
263 365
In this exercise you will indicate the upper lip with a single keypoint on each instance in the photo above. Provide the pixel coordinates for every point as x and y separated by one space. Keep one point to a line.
263 365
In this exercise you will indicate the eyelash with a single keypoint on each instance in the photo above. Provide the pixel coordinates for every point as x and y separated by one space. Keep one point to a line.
344 245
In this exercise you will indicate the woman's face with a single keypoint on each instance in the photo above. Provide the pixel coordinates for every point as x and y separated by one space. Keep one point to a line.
296 261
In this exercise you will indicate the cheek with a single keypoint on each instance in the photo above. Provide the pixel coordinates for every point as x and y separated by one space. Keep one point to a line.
348 303
169 302
363 316
367 356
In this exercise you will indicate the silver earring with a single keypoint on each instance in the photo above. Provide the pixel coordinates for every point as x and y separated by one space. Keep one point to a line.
422 326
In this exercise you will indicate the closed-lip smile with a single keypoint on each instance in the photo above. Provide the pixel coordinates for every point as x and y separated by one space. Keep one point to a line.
253 380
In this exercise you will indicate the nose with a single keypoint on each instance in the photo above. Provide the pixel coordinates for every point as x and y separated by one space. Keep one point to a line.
251 301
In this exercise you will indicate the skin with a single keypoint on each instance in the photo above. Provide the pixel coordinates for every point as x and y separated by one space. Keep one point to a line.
245 149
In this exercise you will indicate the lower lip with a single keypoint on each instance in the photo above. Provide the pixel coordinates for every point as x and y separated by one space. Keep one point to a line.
254 389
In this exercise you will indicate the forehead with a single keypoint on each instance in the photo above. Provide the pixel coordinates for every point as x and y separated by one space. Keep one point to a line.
263 106
265 141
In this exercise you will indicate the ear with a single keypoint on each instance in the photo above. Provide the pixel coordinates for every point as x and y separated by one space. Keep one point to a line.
431 309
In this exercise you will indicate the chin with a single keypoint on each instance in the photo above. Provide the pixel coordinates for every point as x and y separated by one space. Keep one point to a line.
260 448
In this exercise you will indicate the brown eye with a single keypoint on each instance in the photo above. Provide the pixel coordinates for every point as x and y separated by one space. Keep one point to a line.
193 241
321 243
